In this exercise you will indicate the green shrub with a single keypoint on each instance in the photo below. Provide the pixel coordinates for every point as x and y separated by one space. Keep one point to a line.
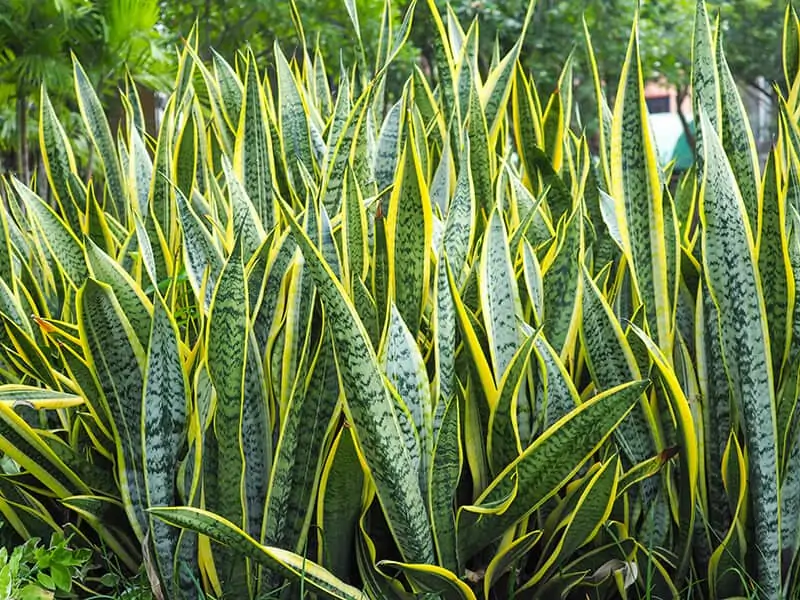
34 572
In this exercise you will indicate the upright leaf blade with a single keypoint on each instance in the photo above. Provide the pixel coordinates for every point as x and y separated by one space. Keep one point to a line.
294 121
253 156
732 275
59 161
100 133
240 419
737 139
774 265
637 186
499 296
405 370
369 408
445 471
611 362
164 422
118 360
410 234
339 505
299 455
706 96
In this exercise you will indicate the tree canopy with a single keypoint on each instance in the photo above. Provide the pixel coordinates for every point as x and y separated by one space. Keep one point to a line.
751 29
38 39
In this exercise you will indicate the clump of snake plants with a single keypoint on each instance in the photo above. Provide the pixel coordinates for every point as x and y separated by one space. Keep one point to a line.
305 342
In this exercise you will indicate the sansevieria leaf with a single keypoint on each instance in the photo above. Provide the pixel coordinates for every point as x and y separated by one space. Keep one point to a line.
733 280
445 471
405 370
118 361
722 566
542 468
611 362
164 410
499 296
253 158
637 187
240 419
288 563
459 228
561 285
294 118
368 407
21 443
444 343
203 259
99 132
62 243
503 442
592 509
308 421
410 235
37 397
339 506
773 262
737 139
430 578
706 96
319 331
58 158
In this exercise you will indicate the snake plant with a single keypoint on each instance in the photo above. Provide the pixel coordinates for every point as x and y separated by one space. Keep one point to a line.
317 340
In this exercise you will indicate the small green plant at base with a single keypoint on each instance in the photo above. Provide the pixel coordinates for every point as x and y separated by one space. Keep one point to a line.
35 572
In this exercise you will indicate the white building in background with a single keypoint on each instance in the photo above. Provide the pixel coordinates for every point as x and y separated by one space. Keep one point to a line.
668 130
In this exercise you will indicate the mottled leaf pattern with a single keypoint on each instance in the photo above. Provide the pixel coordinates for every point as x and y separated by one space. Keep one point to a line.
164 408
536 475
369 407
118 361
411 222
733 280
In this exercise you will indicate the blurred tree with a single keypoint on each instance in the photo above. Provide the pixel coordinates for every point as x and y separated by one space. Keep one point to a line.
36 40
752 31
228 26
750 28
557 29
751 34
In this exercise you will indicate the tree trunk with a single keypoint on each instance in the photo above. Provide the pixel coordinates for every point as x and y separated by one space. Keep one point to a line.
206 41
23 171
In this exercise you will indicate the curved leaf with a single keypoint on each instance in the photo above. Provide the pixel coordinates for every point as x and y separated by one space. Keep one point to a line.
546 465
288 563
430 578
